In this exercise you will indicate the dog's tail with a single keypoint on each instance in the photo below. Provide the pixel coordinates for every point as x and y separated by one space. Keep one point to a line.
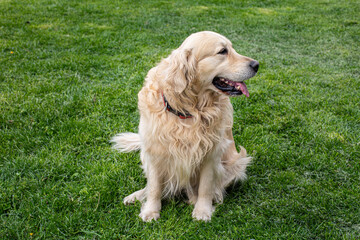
126 142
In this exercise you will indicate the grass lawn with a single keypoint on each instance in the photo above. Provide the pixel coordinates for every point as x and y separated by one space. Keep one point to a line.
69 76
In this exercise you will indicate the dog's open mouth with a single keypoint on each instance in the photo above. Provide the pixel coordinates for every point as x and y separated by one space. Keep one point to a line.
230 87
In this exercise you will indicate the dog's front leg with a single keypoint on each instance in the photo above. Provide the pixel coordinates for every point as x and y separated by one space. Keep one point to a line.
203 207
151 208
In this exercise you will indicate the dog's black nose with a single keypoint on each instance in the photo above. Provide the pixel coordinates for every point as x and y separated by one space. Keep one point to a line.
254 65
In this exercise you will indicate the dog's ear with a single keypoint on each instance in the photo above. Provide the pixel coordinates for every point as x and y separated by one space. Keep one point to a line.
181 70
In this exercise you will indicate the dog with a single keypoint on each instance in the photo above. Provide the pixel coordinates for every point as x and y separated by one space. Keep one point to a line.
185 131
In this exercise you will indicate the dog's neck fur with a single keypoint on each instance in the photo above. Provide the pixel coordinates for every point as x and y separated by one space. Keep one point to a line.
183 114
192 100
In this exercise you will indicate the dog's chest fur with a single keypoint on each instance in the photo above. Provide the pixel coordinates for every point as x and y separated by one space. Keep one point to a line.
178 146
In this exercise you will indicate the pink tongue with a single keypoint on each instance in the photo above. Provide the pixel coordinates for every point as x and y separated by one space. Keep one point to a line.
243 88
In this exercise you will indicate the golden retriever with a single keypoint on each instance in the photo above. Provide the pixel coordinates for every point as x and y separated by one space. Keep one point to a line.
185 132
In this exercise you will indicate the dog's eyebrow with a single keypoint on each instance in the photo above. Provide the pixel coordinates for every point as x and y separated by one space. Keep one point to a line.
222 45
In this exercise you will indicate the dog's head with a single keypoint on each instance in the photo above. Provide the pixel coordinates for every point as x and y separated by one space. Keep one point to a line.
208 60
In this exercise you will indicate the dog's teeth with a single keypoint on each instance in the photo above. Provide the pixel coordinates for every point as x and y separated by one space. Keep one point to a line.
238 88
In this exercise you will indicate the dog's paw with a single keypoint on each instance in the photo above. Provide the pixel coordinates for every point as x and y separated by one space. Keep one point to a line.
148 216
129 199
202 213
192 200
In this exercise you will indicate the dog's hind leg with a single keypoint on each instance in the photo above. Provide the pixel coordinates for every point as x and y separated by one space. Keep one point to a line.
138 195
234 163
192 192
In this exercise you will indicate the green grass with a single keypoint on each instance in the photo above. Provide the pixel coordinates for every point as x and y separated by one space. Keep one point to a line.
69 76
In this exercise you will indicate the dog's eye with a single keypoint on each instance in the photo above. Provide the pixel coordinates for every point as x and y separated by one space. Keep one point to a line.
223 51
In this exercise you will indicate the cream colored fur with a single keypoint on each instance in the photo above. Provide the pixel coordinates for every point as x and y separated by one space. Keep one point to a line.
195 155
